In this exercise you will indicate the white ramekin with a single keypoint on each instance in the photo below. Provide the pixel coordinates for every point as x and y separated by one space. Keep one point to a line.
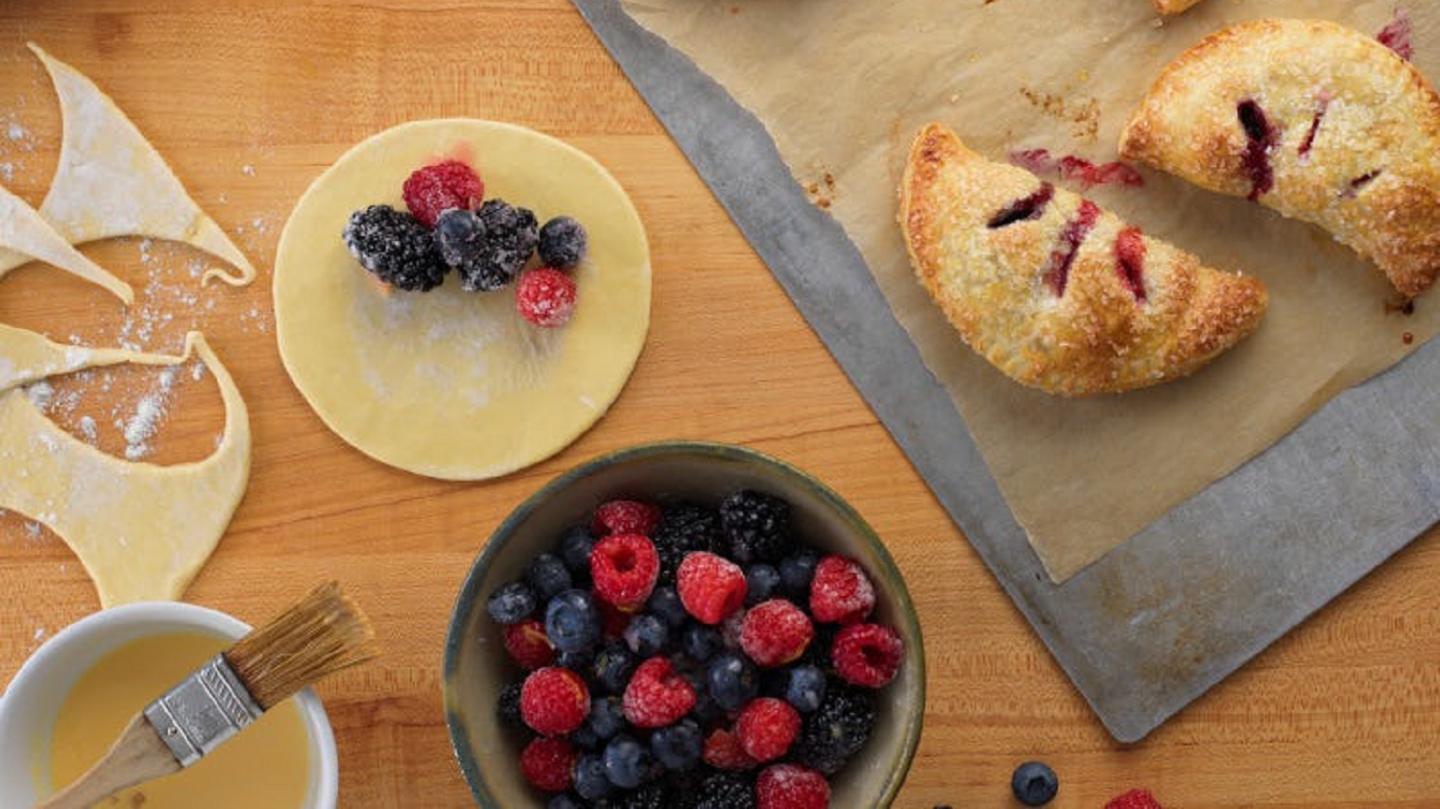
28 708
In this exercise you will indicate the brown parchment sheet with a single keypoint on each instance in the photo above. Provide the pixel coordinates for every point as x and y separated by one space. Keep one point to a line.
844 85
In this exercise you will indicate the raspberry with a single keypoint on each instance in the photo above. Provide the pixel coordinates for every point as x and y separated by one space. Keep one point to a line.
546 297
1134 799
657 695
723 752
775 632
840 591
790 786
432 189
766 728
867 654
546 764
554 701
711 588
395 247
625 517
624 568
562 242
528 645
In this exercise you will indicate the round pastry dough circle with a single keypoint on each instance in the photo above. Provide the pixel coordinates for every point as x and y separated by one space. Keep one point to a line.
448 383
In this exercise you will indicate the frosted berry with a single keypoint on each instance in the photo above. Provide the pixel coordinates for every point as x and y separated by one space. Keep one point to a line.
546 297
1134 799
562 243
791 786
840 592
459 236
723 752
528 645
867 654
657 694
431 190
511 603
394 247
547 764
554 701
766 728
509 242
711 587
625 517
624 568
775 632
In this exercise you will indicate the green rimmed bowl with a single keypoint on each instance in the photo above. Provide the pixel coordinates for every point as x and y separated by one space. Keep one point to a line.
476 666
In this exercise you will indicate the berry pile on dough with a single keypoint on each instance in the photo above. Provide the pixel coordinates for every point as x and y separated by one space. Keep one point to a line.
690 656
488 243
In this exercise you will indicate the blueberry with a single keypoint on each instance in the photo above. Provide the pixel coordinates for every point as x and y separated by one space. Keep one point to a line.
460 236
572 621
562 243
1034 783
613 667
646 635
733 680
665 602
548 576
591 783
512 603
606 719
564 801
707 711
796 571
761 582
575 546
628 763
678 746
701 642
805 689
579 661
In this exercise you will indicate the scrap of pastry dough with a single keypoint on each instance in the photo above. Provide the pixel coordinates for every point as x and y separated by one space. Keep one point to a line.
111 182
142 531
1319 122
1174 6
1055 292
28 235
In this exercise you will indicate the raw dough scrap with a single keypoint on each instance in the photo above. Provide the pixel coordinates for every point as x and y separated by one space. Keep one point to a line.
142 531
112 182
1173 6
29 236
448 383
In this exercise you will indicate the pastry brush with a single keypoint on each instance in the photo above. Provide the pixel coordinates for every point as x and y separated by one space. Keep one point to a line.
322 634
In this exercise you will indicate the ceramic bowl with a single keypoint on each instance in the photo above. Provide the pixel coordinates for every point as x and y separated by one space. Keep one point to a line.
30 704
476 666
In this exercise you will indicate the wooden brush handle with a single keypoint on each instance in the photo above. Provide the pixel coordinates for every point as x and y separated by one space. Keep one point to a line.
139 755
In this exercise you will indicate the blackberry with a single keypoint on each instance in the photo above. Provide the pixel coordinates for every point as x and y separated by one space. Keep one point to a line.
507 707
817 653
562 243
756 526
459 236
395 247
650 796
726 791
683 529
509 241
837 730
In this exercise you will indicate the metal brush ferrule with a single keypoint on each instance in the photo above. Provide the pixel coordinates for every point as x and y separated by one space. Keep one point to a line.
205 709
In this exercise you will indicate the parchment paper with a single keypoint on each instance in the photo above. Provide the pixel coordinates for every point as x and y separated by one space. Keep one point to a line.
844 86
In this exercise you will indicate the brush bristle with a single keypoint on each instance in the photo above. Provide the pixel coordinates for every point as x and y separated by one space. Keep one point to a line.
324 633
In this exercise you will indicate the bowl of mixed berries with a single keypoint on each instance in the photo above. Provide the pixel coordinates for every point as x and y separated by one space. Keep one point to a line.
690 626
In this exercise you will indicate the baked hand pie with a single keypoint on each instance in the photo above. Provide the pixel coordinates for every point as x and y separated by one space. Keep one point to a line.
1314 120
1055 292
1173 6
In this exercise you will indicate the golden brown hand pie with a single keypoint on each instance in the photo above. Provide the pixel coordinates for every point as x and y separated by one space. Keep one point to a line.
1173 6
1055 292
1314 120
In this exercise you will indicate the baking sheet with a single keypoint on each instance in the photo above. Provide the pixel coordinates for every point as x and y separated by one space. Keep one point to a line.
842 88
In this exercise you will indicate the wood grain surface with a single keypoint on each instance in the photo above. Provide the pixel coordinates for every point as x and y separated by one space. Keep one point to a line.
250 100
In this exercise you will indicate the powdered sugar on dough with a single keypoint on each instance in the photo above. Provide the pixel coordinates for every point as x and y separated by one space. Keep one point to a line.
112 182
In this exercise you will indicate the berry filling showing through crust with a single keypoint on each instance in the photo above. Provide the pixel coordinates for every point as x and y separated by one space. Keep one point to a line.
1396 35
1078 169
1057 272
1322 105
1024 210
1130 261
1261 138
1358 184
